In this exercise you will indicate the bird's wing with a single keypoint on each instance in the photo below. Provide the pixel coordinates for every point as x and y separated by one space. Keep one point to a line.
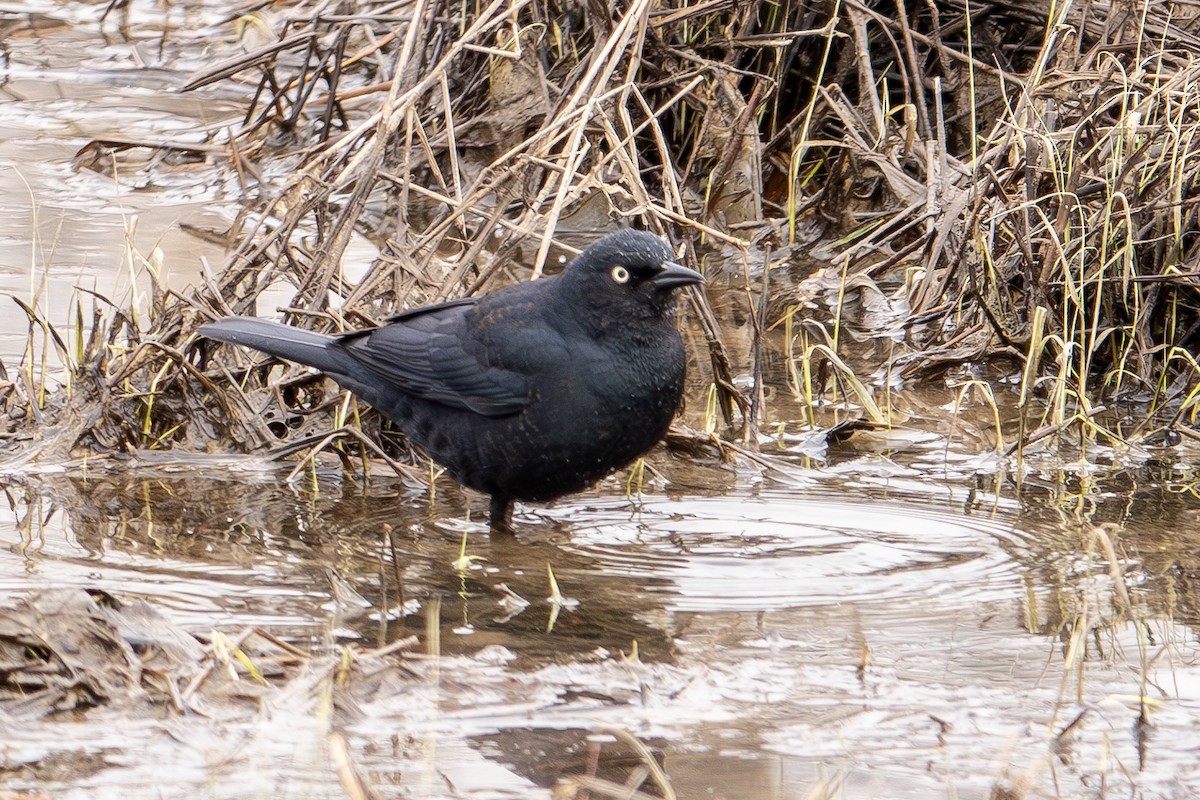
429 352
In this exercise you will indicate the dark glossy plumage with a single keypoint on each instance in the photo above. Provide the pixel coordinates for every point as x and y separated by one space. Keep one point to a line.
527 393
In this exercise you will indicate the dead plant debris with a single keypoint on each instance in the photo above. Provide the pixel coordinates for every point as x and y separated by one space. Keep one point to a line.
1005 184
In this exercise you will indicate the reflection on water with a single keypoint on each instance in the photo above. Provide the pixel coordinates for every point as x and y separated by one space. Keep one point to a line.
895 617
68 227
783 550
907 642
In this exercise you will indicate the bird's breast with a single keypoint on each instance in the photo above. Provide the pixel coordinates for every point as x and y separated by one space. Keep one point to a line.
618 395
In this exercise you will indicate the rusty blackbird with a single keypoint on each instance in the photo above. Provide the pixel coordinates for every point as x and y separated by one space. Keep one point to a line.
527 393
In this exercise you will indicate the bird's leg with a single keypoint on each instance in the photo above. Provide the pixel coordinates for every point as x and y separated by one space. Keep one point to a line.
500 515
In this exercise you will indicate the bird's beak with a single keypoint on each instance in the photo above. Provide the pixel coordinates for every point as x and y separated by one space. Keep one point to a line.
673 275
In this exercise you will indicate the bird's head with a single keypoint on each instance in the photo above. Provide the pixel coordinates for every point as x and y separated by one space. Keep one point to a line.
628 274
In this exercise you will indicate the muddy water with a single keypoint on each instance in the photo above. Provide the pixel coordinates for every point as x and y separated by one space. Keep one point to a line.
892 634
68 81
893 617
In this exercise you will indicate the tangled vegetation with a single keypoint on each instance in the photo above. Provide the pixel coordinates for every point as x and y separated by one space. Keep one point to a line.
1014 179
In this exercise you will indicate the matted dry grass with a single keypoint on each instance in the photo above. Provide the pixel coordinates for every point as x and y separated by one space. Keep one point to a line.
1019 185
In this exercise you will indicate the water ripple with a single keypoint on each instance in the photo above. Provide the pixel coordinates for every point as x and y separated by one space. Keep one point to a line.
787 550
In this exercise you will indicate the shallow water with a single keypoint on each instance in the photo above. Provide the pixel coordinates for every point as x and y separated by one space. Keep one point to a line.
898 639
68 81
895 617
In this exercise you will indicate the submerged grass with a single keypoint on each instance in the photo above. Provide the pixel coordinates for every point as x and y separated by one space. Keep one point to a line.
1014 188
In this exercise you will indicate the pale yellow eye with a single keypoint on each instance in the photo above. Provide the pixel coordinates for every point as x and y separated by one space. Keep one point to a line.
620 274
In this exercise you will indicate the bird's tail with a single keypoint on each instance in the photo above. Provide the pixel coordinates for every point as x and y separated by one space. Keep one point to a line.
283 341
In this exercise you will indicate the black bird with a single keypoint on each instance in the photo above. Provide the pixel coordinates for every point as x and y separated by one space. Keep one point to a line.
530 392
